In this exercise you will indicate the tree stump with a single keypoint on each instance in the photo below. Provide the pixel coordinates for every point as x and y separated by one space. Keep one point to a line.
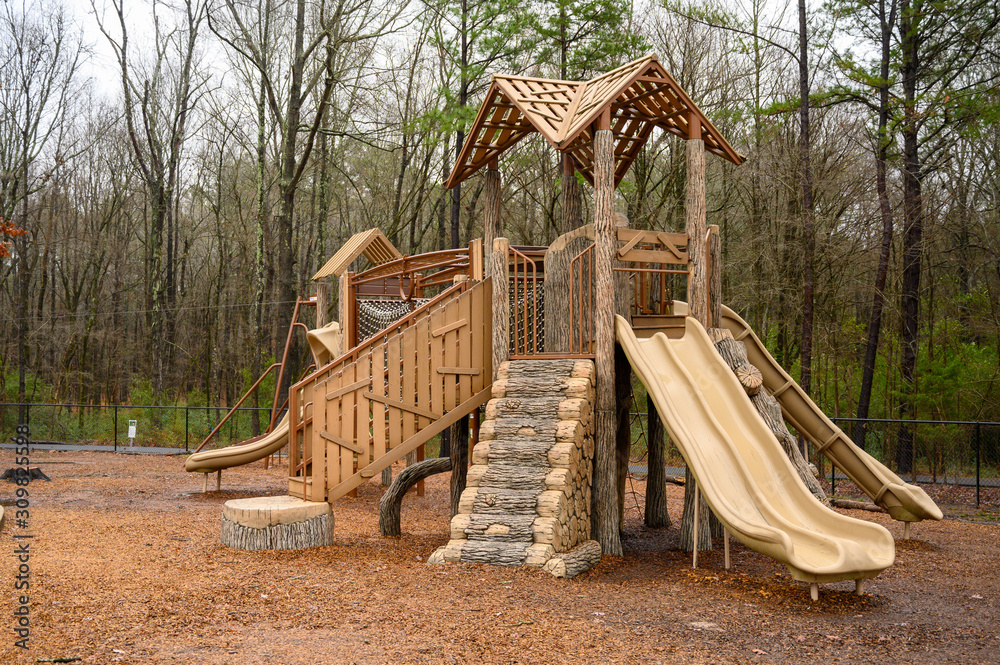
581 558
276 523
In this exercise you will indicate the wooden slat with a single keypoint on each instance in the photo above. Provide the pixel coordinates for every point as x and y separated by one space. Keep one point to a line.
461 371
316 449
392 371
417 440
409 380
343 443
451 342
347 429
422 369
409 409
363 433
464 365
333 394
652 256
378 408
443 330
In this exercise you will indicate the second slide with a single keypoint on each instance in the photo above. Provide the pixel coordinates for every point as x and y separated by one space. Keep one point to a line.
741 469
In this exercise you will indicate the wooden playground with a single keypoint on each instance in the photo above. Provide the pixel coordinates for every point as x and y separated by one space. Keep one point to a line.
546 339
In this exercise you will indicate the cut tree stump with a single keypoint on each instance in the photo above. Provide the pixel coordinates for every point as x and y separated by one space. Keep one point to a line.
276 523
750 378
580 559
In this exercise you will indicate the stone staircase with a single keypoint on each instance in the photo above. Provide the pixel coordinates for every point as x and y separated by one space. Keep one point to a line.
529 490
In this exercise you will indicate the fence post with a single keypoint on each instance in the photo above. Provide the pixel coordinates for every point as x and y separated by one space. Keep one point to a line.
978 458
116 428
185 428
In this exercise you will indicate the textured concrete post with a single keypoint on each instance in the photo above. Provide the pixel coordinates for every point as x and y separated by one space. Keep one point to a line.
492 228
607 522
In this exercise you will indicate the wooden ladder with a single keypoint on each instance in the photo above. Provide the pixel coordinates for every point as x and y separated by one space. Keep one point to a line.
391 394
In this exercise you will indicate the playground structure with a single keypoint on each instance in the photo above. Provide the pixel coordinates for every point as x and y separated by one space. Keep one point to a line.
429 339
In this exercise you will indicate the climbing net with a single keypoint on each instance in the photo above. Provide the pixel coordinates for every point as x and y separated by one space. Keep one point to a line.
375 316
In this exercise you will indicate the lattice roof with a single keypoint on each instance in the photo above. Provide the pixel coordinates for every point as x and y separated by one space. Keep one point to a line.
372 243
641 95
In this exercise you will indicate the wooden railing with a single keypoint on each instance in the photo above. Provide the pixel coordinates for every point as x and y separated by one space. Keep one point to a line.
525 313
392 394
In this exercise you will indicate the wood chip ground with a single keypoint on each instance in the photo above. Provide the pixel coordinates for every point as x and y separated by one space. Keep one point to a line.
127 567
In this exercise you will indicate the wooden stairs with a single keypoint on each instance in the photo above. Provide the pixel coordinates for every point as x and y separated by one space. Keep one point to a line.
391 394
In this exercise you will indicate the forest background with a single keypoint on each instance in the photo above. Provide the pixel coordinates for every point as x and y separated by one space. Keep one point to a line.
172 173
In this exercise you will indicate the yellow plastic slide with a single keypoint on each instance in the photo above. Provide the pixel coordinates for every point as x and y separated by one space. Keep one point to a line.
740 467
325 345
243 453
904 502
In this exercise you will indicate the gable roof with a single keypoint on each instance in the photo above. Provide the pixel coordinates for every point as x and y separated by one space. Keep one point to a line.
372 243
641 95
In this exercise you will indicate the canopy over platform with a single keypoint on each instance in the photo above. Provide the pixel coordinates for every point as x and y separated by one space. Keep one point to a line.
640 95
372 243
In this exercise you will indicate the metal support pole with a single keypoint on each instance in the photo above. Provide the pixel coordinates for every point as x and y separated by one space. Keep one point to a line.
725 534
185 429
978 459
697 519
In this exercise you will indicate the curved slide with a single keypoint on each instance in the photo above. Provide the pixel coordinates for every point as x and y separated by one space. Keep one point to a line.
242 453
904 502
741 469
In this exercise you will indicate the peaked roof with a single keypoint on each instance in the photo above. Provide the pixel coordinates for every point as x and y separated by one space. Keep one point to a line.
641 95
372 243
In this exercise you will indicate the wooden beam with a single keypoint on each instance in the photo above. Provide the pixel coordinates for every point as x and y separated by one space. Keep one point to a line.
344 443
410 408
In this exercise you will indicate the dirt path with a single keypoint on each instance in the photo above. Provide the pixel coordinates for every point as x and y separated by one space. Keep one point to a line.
127 567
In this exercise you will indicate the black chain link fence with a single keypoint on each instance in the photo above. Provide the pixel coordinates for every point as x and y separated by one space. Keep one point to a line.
167 428
957 461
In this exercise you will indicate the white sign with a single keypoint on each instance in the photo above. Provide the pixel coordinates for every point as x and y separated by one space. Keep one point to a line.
131 429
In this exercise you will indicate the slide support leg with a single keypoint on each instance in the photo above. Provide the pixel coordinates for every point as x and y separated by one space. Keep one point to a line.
725 541
859 587
694 558
814 591
218 480
906 530
204 487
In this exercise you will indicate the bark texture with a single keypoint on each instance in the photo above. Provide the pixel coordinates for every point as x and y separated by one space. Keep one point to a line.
581 558
656 515
607 525
528 494
735 355
391 504
313 532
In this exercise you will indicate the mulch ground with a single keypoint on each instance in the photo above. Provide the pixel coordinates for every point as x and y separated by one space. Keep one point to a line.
127 567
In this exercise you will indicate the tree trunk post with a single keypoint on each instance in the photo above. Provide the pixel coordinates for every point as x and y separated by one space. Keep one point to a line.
459 461
656 484
345 305
606 517
694 226
571 217
714 277
500 272
322 302
492 227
